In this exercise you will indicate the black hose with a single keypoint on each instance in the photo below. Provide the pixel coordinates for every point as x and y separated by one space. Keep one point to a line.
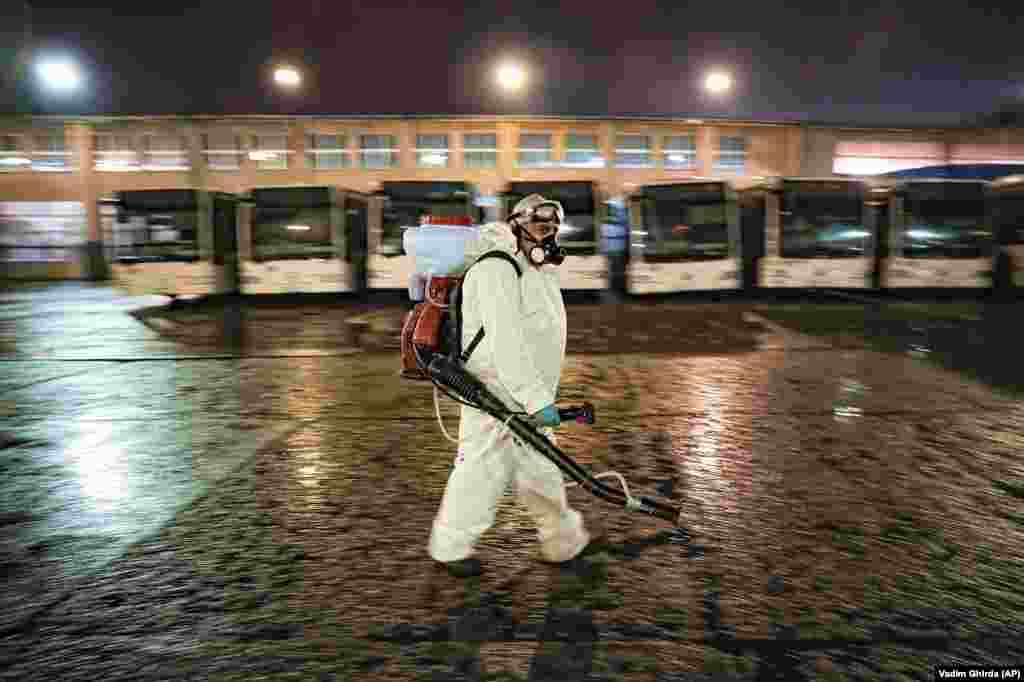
448 373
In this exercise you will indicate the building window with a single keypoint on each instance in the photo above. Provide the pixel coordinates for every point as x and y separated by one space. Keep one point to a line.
270 152
680 152
378 151
222 151
731 156
328 152
50 152
480 150
165 152
432 151
116 152
633 151
535 150
582 151
13 155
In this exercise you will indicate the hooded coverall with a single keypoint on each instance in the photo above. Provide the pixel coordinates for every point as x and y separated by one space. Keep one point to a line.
520 361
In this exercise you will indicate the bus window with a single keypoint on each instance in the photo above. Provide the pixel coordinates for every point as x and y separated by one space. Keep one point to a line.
679 228
289 233
945 228
163 236
819 225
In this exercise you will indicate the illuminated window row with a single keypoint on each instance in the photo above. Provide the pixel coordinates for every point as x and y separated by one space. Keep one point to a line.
224 151
42 151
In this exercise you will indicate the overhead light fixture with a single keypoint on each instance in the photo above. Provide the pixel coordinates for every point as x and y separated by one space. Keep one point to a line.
59 74
299 228
434 159
15 161
286 75
262 156
511 76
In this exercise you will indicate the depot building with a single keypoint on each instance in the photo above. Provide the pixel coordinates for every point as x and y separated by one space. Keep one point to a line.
55 171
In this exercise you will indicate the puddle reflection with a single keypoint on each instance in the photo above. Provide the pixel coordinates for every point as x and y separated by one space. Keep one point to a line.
850 391
100 467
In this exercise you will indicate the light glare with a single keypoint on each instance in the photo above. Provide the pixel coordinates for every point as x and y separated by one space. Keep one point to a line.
718 82
59 75
287 76
511 76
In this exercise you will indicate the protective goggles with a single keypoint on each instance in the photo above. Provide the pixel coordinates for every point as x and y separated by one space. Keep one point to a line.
548 212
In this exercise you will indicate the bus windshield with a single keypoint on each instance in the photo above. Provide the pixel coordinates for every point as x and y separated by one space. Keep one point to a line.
822 226
682 229
281 233
946 228
157 236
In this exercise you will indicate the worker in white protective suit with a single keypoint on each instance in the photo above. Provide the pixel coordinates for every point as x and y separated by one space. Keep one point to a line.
520 361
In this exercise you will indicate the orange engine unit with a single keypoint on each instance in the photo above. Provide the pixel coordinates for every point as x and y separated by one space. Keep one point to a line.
423 325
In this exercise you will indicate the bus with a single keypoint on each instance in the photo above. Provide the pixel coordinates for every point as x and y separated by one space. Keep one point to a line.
816 233
172 242
297 240
685 236
939 235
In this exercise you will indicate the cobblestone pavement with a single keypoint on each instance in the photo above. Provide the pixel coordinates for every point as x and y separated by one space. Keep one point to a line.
213 509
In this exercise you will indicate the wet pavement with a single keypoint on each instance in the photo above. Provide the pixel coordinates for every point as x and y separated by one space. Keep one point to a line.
189 494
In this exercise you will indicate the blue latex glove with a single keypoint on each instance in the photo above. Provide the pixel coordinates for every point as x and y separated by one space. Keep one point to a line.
547 417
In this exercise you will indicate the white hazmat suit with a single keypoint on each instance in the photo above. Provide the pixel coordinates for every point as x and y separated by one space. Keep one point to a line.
520 361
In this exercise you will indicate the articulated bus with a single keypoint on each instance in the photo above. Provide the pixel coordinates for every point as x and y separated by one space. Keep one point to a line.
685 236
939 236
586 212
403 205
816 233
173 242
303 240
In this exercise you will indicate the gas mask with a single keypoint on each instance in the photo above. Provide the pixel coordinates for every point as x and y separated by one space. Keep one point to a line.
547 249
544 251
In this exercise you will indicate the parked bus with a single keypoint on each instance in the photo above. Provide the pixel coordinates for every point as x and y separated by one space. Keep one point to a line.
402 205
685 236
174 242
303 240
816 233
585 267
939 236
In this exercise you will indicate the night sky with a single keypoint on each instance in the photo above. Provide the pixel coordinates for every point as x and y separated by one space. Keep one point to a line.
926 63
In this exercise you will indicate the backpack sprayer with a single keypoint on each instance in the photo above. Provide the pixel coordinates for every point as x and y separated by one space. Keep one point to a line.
432 351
